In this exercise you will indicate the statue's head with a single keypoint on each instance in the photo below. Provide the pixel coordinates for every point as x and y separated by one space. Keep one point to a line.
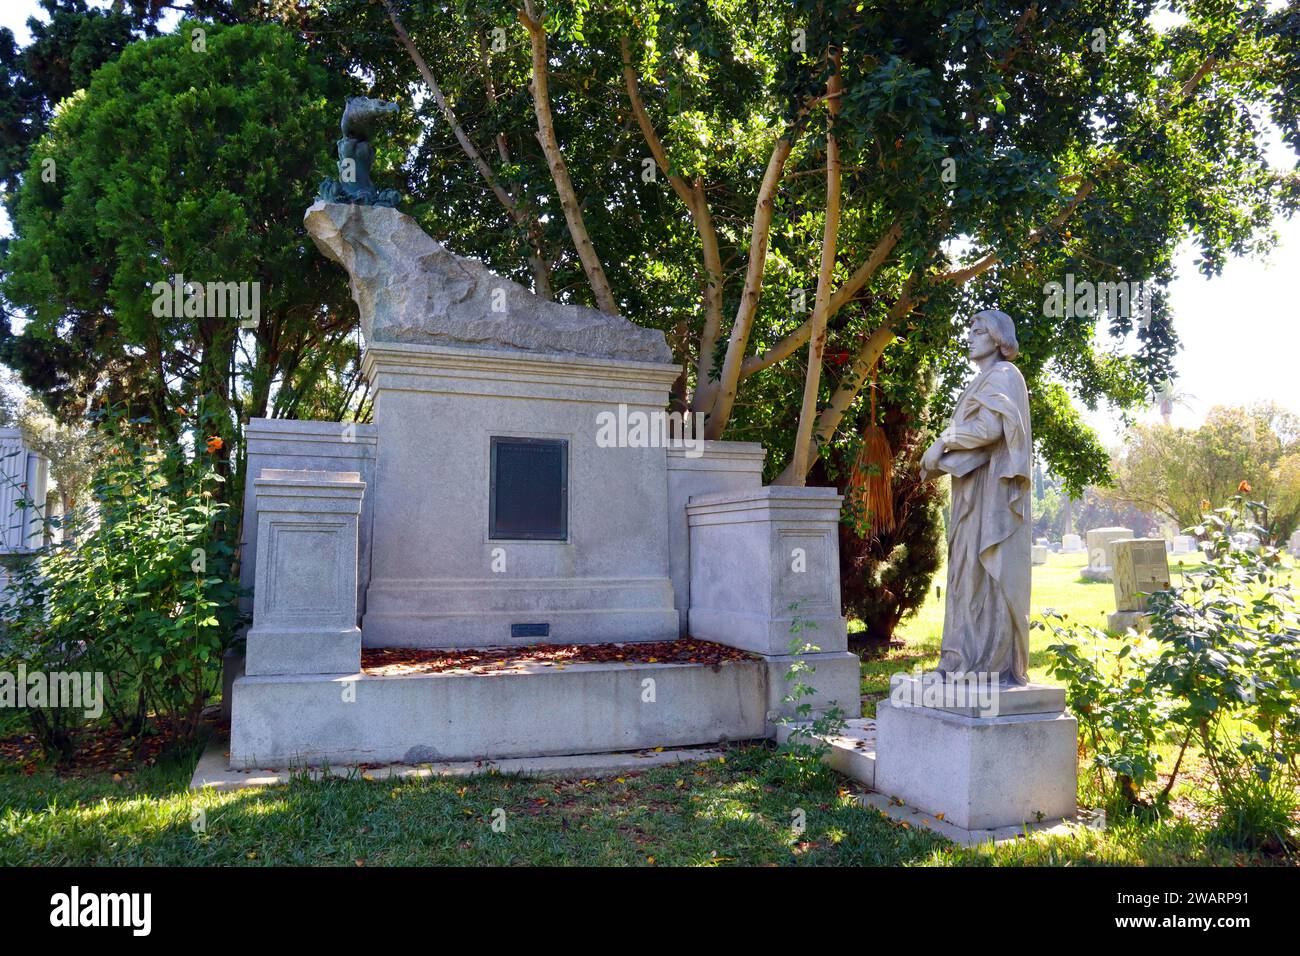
361 115
990 331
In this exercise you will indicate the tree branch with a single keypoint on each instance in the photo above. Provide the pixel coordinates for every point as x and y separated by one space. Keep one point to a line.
693 197
540 89
844 294
873 346
797 473
722 398
522 218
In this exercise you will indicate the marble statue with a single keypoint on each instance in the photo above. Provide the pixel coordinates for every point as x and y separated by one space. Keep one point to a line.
987 449
356 155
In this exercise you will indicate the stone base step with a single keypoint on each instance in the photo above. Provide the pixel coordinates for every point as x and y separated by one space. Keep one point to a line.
852 752
212 770
531 710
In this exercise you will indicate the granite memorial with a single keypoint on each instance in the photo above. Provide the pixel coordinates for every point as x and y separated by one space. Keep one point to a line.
484 508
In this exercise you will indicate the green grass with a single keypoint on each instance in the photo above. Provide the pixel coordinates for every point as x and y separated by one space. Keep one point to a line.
739 811
1057 586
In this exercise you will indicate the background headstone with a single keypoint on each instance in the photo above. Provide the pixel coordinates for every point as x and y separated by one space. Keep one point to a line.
1071 544
1245 541
1141 567
1039 554
1184 544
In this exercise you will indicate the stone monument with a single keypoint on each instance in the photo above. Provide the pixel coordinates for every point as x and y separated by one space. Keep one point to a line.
519 486
1100 556
975 741
24 477
1141 568
1071 544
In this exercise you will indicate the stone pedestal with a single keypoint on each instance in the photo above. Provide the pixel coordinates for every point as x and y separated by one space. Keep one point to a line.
709 467
295 445
1071 544
978 772
765 570
1039 554
305 603
762 560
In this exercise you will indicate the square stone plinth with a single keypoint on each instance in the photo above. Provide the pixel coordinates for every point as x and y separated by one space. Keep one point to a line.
978 772
974 698
765 569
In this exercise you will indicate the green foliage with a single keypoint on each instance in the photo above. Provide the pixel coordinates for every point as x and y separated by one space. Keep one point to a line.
65 50
227 144
141 590
807 743
885 576
1121 722
1173 470
1221 668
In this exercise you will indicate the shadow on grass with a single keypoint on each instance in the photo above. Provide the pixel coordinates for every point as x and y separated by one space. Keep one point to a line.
744 810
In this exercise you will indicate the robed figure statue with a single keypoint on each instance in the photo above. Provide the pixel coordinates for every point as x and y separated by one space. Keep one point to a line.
986 448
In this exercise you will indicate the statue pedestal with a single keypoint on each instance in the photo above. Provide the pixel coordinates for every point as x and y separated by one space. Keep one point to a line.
1121 621
980 772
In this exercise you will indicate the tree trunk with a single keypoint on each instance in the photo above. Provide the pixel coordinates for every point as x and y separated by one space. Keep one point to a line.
797 473
540 89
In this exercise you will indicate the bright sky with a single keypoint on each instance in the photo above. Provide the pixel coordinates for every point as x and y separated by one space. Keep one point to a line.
1240 332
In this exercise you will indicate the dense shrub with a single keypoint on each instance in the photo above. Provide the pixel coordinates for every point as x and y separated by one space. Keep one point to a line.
141 591
1221 669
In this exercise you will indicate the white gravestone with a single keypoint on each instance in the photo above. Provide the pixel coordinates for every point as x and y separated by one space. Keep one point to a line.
1100 556
1184 544
1039 554
1071 544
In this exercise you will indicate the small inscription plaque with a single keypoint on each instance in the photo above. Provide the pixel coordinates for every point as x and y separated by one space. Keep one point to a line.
529 496
530 630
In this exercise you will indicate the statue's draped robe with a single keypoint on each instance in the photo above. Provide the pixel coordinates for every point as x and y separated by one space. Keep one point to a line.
986 622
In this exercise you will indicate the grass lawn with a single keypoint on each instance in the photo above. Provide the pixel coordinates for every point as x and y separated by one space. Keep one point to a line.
738 811
1057 585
